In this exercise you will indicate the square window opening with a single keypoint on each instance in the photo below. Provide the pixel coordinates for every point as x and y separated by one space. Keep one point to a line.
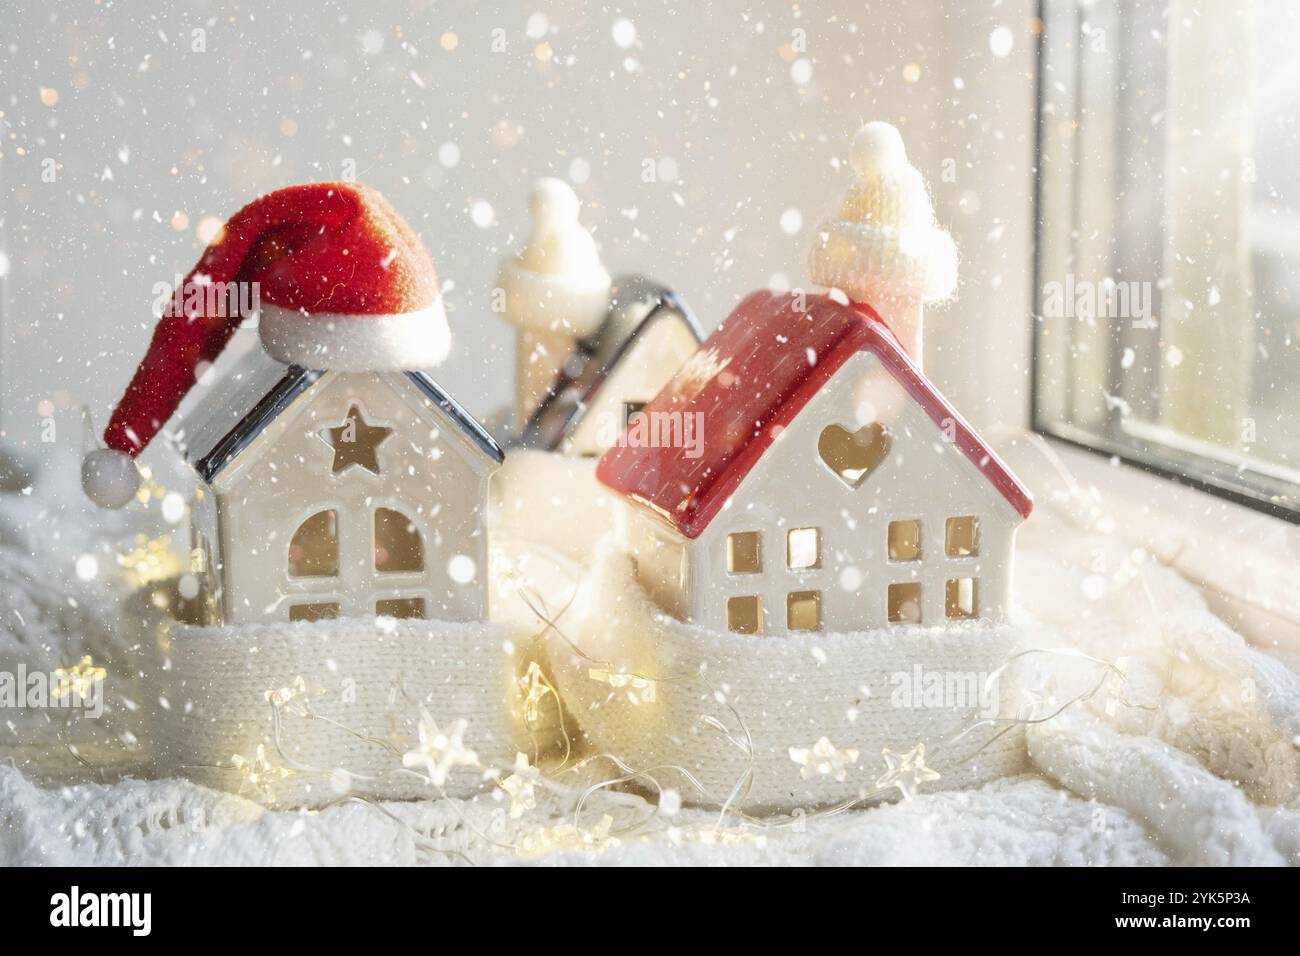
314 548
904 540
745 614
961 537
744 552
316 611
803 611
402 608
630 411
905 603
960 597
803 548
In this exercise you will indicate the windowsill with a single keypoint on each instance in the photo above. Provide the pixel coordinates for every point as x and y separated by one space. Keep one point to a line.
1238 477
1243 561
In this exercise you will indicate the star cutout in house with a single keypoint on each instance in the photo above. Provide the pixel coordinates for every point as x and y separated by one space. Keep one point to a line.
355 443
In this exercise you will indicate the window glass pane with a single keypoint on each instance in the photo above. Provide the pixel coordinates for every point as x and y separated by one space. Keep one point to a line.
743 552
398 546
905 603
745 614
1168 273
803 610
904 540
961 536
320 611
314 550
630 411
959 598
803 548
400 607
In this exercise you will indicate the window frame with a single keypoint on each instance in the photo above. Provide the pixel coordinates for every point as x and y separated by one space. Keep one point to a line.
1185 461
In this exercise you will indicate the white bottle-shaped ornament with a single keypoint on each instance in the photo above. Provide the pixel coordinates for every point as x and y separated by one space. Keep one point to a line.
556 292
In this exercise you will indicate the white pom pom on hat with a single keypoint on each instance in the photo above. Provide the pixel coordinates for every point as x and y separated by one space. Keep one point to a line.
556 282
109 477
877 147
884 244
553 205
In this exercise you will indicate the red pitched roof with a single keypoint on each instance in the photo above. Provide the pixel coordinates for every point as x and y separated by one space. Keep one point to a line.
750 379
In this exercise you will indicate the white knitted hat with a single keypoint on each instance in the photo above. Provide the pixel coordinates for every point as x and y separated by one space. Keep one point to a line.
884 245
556 282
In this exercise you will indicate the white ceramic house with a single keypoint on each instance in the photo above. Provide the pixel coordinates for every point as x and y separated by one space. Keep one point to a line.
610 375
338 494
835 489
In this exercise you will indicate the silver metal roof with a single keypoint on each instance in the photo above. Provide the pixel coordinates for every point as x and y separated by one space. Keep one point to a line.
636 304
252 394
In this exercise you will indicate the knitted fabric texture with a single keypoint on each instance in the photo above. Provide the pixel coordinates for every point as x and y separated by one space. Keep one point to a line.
673 684
1192 761
1190 771
884 246
178 823
555 283
883 266
553 303
344 731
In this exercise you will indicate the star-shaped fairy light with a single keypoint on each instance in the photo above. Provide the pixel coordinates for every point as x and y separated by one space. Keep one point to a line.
533 688
152 559
438 751
906 771
77 681
522 787
258 774
355 442
823 759
567 836
639 689
292 698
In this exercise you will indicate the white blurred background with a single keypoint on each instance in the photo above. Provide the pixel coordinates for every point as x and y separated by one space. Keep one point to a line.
158 125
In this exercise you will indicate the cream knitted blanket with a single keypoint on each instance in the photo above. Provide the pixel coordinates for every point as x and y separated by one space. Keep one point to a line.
799 722
1191 759
330 709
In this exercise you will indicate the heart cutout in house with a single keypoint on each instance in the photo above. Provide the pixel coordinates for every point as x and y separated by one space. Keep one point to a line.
853 455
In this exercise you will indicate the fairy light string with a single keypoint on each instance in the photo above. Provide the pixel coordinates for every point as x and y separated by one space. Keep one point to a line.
533 788
442 749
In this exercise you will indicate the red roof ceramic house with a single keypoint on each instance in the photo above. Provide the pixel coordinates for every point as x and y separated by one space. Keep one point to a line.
800 473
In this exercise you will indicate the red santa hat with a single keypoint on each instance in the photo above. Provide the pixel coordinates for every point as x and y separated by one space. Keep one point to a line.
342 282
